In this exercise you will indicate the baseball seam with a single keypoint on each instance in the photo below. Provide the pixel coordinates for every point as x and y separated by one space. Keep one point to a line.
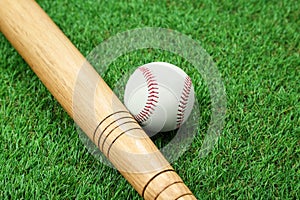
152 98
183 101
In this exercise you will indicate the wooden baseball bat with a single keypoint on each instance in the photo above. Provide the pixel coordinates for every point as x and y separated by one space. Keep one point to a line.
88 100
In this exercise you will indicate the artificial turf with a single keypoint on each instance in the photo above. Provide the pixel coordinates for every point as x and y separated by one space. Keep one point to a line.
255 45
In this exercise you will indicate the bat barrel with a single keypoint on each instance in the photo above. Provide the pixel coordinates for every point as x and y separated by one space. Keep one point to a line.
89 101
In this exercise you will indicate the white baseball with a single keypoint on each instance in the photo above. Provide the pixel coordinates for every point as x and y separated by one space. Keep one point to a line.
160 96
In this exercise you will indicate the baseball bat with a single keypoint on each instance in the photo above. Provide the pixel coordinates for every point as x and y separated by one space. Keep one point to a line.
97 110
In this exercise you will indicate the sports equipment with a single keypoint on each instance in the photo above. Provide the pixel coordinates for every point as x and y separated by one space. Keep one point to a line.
160 96
59 65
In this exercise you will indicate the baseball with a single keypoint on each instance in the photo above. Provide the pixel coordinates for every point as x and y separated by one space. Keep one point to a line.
160 96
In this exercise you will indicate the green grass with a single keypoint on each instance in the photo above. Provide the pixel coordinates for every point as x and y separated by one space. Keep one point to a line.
255 45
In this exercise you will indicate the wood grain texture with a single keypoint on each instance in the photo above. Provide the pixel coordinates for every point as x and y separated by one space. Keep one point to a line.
88 100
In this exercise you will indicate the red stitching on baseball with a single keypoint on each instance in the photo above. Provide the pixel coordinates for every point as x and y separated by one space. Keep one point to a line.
183 101
152 98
